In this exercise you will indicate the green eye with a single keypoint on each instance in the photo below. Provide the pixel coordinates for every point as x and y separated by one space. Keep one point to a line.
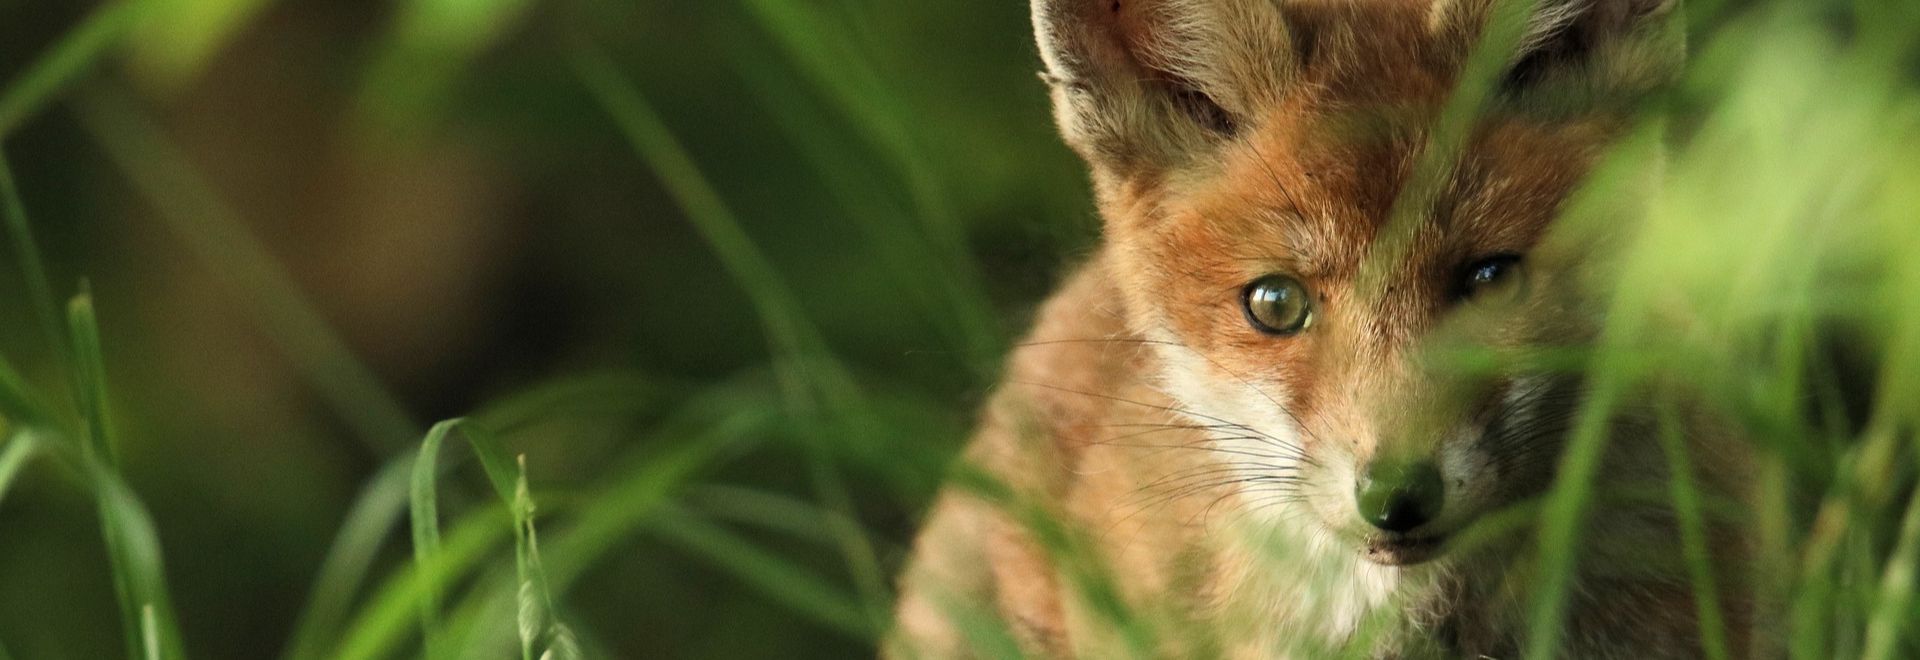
1494 278
1278 305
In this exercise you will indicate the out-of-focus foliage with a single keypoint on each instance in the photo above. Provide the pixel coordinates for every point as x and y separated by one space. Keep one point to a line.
732 276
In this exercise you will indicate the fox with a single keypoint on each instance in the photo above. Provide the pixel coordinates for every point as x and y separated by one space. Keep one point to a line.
1238 402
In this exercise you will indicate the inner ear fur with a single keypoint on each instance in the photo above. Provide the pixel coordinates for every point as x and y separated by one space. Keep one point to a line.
1150 84
1598 50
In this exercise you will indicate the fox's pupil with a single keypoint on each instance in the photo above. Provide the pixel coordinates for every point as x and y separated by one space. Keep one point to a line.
1278 305
1497 276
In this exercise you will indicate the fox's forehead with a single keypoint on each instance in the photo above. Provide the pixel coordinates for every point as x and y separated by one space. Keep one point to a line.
1378 53
1312 176
1311 188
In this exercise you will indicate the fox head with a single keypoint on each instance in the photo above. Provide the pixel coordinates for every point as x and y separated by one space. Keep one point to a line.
1247 157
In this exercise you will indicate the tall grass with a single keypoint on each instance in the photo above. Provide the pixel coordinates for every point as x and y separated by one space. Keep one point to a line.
1784 224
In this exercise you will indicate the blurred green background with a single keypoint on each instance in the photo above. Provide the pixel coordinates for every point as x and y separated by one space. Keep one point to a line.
731 274
438 184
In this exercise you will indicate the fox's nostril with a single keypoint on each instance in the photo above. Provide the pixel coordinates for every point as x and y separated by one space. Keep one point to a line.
1400 497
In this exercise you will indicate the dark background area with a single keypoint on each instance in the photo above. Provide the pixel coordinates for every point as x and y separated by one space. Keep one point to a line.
472 223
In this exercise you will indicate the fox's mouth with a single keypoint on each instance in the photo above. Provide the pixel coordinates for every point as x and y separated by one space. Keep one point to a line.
1402 550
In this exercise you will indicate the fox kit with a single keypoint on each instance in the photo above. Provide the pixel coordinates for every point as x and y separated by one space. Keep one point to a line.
1243 417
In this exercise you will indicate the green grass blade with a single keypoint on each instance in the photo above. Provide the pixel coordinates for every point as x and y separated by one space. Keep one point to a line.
1560 526
1505 26
349 559
386 497
1693 536
176 40
608 517
1892 618
133 551
639 494
415 67
72 57
766 510
535 601
814 382
133 546
703 205
778 579
382 624
705 430
20 449
33 268
540 625
90 384
215 234
17 402
847 75
575 397
424 497
149 632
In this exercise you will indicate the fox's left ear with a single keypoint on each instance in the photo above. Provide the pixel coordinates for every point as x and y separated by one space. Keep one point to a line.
1610 50
1145 86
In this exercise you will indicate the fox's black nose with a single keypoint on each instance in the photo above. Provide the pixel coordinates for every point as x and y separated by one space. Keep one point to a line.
1400 497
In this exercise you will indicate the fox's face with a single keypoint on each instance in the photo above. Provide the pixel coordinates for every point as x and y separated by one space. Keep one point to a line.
1250 158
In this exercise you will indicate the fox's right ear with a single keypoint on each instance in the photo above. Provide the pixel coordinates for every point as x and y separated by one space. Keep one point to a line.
1146 85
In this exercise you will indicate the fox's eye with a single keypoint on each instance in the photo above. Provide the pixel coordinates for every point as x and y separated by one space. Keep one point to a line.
1278 305
1494 278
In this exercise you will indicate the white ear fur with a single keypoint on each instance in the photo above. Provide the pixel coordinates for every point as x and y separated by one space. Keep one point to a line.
1147 83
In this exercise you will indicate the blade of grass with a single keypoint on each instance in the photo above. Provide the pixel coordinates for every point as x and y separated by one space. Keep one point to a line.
133 551
17 402
814 382
426 534
706 431
1891 617
1567 501
217 236
574 397
90 385
33 269
385 497
350 558
1500 36
1560 522
1081 566
797 589
68 60
382 623
849 180
415 66
849 78
177 39
149 632
535 601
611 515
424 496
639 494
539 617
1693 536
767 510
133 546
21 448
641 125
1816 593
